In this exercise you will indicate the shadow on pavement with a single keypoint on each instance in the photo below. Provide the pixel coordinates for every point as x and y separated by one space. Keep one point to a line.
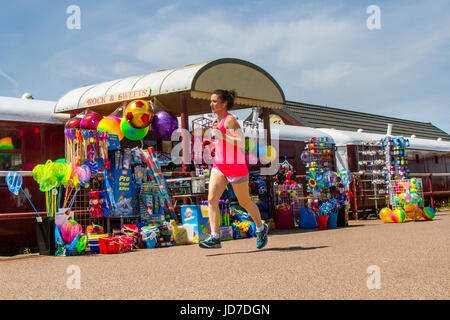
305 230
292 248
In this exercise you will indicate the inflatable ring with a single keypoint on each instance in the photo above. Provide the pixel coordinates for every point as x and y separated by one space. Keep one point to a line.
81 245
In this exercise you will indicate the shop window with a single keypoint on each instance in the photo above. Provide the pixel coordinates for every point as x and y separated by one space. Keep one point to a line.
9 162
11 157
10 140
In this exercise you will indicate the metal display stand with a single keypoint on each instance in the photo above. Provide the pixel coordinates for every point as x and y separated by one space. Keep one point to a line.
371 162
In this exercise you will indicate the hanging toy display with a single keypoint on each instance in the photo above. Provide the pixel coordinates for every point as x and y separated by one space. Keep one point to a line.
87 147
396 162
328 190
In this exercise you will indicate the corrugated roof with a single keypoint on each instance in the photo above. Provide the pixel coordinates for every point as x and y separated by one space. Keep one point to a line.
327 117
26 110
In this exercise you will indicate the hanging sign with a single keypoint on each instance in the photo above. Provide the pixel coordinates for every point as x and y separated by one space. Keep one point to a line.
118 97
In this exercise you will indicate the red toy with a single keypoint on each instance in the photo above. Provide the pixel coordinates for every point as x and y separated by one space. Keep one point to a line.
94 200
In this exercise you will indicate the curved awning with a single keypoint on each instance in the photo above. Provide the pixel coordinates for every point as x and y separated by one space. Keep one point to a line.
254 87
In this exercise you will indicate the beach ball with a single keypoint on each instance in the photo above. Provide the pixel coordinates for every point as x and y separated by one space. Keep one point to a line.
164 123
138 114
110 124
405 198
415 198
428 213
346 177
330 179
398 215
410 207
270 155
132 133
385 215
90 121
73 123
418 214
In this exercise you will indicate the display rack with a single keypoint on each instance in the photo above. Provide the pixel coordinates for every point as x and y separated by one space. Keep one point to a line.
403 191
371 161
81 203
291 194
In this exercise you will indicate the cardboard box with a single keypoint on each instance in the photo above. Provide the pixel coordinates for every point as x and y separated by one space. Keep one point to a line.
226 233
195 220
194 214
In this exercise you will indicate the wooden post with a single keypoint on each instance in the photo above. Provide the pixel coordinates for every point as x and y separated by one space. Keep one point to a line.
186 167
355 201
431 190
268 179
185 126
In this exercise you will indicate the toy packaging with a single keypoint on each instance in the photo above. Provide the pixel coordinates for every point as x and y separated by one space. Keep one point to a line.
196 215
123 192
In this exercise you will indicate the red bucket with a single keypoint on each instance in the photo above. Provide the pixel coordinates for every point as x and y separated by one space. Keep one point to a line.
322 222
116 244
284 218
108 245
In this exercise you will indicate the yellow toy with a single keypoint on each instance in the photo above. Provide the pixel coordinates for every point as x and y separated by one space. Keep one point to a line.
385 215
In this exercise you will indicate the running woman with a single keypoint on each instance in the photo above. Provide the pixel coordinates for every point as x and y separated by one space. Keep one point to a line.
229 166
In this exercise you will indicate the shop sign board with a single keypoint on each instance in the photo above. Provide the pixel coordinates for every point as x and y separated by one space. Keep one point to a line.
118 97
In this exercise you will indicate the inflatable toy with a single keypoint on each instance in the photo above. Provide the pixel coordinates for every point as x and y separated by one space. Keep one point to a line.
90 121
398 215
73 123
428 213
132 133
385 215
110 124
270 155
138 114
164 123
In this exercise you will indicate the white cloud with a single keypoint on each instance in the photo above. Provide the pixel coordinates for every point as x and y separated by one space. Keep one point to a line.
319 54
13 82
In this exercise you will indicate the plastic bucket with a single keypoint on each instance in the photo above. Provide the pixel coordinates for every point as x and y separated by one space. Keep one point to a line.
45 235
307 220
109 245
284 218
322 222
332 220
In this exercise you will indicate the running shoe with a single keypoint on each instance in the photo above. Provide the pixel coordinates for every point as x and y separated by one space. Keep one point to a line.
261 237
210 243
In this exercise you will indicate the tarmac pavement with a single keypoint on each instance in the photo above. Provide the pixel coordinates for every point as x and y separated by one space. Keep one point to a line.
367 260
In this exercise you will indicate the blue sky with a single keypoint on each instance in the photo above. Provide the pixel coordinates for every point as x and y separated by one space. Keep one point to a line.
320 52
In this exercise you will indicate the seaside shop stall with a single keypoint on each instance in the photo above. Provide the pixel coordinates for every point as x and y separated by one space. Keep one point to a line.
114 184
388 175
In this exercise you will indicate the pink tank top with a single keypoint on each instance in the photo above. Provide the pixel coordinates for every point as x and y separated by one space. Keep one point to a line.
229 158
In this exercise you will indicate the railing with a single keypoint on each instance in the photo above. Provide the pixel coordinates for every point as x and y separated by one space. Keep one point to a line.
23 173
432 193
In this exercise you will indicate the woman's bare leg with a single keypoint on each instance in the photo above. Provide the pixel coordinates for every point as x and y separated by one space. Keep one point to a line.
217 185
243 196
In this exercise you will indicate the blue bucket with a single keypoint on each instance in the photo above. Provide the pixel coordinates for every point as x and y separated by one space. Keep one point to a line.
332 220
307 220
